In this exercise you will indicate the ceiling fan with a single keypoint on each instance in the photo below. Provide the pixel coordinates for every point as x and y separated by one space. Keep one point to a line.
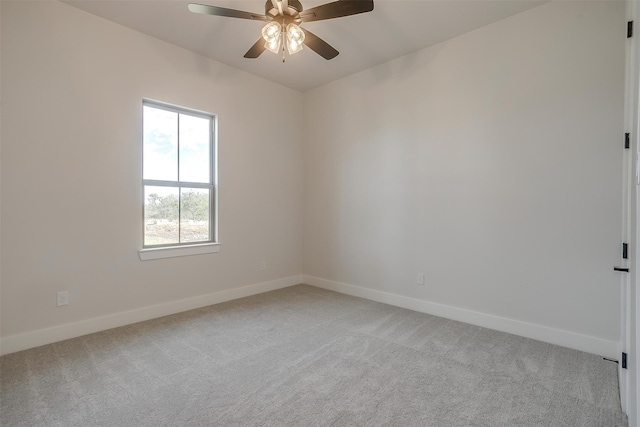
283 19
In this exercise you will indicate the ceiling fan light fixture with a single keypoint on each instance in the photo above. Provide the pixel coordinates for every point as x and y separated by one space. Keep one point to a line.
295 34
295 38
293 47
274 45
271 32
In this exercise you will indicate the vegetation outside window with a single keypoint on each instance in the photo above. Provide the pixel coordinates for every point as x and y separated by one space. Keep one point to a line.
178 176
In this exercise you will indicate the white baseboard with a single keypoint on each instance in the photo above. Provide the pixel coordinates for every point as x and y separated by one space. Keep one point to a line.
560 337
40 337
564 338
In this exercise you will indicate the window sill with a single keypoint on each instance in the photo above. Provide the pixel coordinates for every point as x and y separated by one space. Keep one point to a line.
177 251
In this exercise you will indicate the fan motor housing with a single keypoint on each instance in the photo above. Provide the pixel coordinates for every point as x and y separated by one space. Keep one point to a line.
295 7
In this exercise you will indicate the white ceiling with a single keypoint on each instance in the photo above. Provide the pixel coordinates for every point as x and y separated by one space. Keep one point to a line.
394 28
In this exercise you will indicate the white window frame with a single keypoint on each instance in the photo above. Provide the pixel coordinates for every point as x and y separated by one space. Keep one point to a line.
149 252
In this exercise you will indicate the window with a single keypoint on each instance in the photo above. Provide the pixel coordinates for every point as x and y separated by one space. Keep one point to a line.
178 171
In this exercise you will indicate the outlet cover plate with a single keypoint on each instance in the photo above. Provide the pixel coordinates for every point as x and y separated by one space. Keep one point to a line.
63 298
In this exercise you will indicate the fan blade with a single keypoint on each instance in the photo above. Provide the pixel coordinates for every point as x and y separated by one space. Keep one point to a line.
221 11
256 50
319 46
336 9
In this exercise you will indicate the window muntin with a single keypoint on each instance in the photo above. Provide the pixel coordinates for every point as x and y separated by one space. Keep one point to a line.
178 176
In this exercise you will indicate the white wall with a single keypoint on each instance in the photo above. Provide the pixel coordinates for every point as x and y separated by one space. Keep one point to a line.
72 87
490 162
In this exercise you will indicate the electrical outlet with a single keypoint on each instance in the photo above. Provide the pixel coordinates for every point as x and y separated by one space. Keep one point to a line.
63 298
420 278
263 265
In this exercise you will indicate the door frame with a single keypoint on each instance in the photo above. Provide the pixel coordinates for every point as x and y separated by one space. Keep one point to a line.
629 298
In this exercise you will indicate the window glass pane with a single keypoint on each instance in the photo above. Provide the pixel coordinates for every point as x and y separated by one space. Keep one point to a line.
194 210
177 150
160 215
160 144
194 149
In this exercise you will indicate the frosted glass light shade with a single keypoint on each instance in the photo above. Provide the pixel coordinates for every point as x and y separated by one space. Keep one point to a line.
293 47
295 38
273 46
295 34
271 32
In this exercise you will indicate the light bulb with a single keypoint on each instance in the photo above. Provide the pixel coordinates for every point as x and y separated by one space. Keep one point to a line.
273 46
293 47
271 32
295 35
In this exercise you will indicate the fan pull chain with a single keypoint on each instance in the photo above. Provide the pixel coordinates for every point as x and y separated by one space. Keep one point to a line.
284 39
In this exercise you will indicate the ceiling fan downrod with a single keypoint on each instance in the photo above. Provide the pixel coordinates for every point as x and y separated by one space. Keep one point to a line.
290 8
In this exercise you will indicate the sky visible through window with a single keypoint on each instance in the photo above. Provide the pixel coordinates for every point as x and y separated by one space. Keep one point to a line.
161 129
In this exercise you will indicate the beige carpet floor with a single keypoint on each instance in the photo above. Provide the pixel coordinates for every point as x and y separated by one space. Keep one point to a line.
304 356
